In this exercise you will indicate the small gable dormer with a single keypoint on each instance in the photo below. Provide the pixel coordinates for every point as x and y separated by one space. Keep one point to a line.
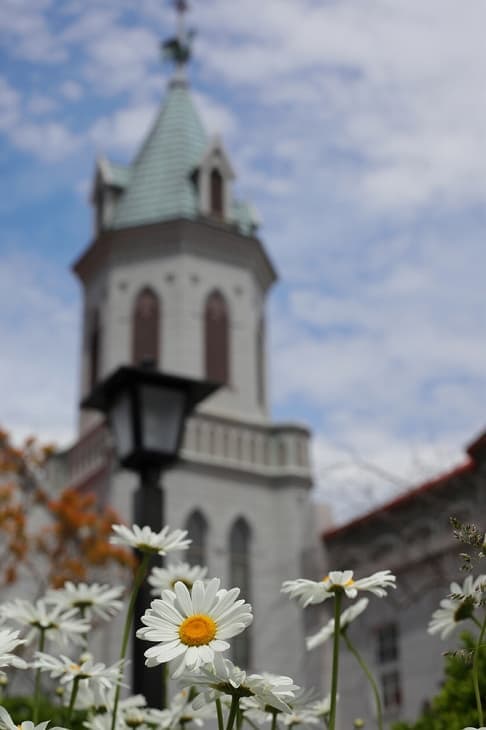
214 177
110 180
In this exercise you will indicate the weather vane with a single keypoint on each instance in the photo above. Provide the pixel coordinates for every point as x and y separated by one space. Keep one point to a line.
178 48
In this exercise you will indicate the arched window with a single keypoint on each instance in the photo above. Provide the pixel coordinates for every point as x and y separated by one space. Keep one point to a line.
240 575
216 187
216 323
94 345
197 528
260 358
146 328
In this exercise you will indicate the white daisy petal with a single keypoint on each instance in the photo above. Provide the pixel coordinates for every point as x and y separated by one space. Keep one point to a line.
183 598
210 615
198 594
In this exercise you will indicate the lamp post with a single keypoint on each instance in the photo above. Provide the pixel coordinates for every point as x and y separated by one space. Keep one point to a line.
146 412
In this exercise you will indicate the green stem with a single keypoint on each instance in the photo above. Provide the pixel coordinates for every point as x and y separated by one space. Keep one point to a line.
476 672
139 577
274 721
219 712
478 623
74 693
84 637
335 658
42 641
235 703
370 678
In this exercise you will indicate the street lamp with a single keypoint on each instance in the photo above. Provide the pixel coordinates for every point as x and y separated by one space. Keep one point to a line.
146 412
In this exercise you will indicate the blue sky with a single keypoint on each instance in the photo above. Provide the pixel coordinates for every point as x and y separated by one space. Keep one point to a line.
355 126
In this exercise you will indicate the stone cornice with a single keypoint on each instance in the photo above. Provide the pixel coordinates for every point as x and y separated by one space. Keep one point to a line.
203 237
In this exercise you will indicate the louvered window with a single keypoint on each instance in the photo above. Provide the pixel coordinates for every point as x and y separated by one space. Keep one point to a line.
240 576
94 344
197 528
216 184
146 318
217 338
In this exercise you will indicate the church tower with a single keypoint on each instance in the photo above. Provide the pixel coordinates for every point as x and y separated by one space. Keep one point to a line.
177 276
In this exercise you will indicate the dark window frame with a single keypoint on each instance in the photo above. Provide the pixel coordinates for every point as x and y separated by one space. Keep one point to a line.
216 193
217 338
146 328
391 688
198 528
240 539
387 643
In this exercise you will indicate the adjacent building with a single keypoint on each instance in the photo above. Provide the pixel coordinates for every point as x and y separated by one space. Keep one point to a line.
412 536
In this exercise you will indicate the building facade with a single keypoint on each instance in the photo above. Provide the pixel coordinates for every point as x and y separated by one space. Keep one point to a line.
412 536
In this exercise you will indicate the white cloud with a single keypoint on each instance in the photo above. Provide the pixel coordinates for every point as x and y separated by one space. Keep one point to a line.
217 118
9 104
124 130
26 33
47 140
118 60
356 479
50 141
39 331
41 105
71 90
412 116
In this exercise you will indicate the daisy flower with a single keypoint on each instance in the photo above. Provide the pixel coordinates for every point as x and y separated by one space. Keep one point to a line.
99 600
272 690
223 677
299 717
67 670
322 708
54 621
8 642
193 625
346 618
311 592
148 541
454 610
6 723
165 578
180 712
134 706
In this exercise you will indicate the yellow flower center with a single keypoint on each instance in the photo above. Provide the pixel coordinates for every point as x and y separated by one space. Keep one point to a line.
197 630
348 583
74 667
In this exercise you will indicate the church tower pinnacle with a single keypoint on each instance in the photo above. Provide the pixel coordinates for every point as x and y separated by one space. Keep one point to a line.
178 48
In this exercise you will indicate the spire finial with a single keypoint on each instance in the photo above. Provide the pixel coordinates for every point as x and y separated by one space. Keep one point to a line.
178 48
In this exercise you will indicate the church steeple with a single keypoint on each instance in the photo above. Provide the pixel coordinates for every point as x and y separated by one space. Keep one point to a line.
179 172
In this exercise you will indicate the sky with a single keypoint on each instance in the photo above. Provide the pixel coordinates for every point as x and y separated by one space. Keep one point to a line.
357 129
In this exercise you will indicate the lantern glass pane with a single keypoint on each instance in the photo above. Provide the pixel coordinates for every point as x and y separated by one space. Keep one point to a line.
162 411
120 416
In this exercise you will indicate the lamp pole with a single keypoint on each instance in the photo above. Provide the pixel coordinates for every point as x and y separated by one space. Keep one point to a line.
148 509
146 412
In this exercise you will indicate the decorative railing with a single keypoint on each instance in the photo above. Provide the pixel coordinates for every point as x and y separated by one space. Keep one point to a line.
270 450
265 448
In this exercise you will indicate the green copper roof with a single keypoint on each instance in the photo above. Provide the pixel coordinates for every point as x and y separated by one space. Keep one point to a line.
159 185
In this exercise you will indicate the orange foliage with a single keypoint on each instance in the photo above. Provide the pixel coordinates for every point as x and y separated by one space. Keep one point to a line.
74 539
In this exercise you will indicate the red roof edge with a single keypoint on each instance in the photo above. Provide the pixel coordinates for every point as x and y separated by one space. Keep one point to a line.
477 448
403 498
